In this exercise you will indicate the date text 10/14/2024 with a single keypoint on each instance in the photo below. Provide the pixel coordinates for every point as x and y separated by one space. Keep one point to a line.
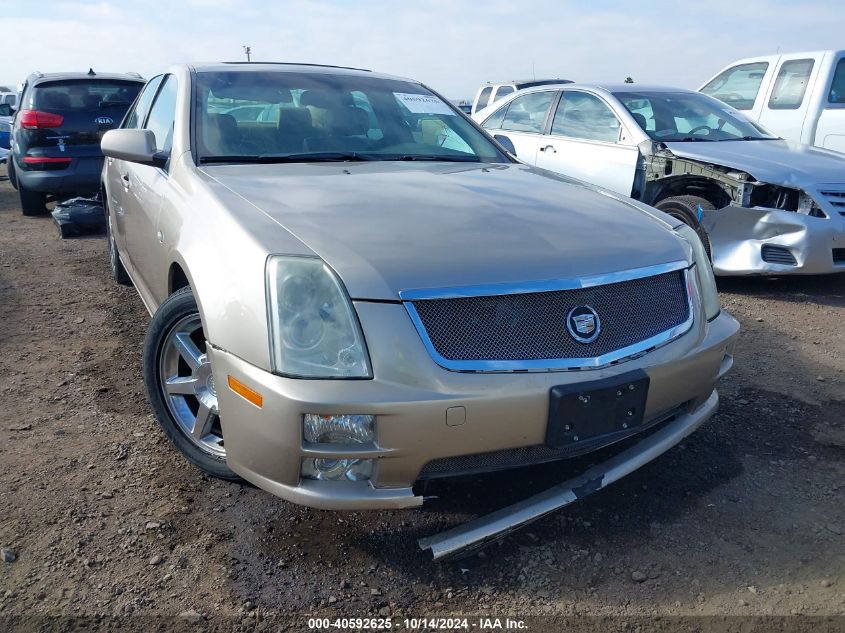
418 624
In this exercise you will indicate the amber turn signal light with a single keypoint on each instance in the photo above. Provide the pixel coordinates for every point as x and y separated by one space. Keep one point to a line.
245 392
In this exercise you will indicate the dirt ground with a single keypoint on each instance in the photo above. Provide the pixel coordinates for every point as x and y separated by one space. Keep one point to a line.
746 518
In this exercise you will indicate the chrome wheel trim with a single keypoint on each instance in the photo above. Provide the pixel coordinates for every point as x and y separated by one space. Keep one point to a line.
187 385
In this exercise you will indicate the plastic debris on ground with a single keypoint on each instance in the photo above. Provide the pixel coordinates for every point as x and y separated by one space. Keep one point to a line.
80 216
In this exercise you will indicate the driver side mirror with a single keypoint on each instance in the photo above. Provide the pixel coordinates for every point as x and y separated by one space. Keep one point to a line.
506 143
6 109
134 146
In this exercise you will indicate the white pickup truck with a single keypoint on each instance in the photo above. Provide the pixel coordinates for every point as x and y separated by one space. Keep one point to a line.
799 96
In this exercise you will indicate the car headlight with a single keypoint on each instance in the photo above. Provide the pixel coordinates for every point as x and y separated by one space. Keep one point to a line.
314 332
706 279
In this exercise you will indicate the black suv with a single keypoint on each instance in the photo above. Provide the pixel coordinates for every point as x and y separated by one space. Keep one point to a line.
56 133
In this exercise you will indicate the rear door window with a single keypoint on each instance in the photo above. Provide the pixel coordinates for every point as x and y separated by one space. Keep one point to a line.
791 84
527 113
738 86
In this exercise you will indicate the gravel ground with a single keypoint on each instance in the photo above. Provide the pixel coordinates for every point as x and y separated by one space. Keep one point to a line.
101 518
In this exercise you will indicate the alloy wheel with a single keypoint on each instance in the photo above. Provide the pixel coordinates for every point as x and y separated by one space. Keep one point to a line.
187 383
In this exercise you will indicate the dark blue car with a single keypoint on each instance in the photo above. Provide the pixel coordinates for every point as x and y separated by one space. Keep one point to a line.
57 129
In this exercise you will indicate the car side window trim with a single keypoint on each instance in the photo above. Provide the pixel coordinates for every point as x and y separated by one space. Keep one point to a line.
550 115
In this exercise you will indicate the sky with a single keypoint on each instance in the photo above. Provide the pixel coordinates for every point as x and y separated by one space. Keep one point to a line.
451 45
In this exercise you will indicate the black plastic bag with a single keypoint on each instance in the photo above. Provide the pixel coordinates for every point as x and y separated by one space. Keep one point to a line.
80 216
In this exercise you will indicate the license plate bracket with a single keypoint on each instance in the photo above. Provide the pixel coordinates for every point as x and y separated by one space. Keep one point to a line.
587 410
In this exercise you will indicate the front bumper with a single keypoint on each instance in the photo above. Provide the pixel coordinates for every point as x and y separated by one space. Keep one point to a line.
410 395
738 237
466 538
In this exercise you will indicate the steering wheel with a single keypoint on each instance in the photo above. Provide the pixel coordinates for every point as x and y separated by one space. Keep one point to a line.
700 127
731 96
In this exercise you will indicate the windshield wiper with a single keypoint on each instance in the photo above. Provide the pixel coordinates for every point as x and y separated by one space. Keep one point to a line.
436 157
753 138
691 139
312 157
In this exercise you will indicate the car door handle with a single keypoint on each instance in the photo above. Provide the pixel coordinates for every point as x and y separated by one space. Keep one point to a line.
125 179
549 148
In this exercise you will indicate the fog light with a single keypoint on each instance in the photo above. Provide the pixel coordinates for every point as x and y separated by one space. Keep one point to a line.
330 469
339 429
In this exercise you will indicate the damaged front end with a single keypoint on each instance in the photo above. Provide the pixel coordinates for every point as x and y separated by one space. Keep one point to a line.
757 227
467 538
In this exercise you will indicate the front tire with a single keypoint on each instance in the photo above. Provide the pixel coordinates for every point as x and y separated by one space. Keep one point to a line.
180 385
687 209
32 202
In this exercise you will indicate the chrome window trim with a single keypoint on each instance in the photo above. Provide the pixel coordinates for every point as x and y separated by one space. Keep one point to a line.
559 364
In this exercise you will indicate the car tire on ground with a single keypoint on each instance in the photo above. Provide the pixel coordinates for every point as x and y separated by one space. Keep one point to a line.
180 384
117 270
32 202
686 209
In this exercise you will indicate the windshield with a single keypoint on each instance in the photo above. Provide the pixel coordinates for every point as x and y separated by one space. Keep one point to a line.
689 116
254 116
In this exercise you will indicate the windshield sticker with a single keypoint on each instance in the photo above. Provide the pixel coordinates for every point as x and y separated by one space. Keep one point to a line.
423 104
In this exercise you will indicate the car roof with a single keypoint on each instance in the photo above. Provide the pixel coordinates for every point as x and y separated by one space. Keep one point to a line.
623 87
528 82
290 67
770 56
37 78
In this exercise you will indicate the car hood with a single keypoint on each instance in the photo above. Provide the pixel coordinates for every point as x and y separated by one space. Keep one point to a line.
392 226
775 162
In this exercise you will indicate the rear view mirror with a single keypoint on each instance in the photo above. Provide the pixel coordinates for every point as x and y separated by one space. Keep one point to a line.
5 109
135 146
506 143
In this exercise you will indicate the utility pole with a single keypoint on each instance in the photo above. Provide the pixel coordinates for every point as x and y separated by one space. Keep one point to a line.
248 51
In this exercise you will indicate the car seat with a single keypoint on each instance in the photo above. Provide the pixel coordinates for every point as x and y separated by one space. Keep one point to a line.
294 126
347 132
219 135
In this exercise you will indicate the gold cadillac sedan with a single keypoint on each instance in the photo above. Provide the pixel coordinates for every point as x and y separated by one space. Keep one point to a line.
353 288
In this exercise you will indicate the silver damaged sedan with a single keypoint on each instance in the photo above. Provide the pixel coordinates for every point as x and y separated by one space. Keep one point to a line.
354 289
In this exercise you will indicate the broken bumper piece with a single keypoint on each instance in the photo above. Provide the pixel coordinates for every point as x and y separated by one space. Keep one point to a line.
760 241
469 537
